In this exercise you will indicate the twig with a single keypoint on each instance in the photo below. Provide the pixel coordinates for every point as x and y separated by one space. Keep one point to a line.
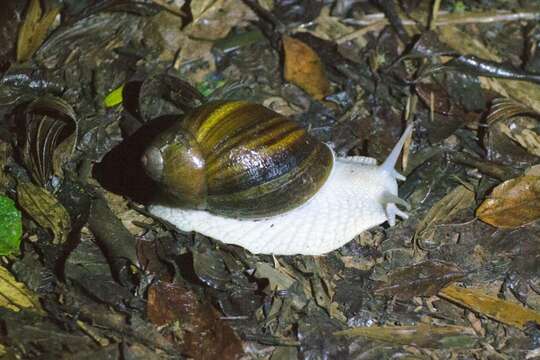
447 18
377 21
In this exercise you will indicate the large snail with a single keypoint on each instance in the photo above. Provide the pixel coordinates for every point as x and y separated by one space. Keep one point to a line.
245 175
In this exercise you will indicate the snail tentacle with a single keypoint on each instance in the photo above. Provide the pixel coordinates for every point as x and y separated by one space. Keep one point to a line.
389 198
392 211
391 161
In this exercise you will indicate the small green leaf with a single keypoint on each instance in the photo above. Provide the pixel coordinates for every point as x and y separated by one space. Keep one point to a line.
10 227
115 97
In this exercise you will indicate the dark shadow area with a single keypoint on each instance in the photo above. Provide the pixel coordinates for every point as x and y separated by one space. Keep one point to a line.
121 171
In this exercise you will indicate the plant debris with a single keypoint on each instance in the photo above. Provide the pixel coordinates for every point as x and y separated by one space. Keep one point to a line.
87 272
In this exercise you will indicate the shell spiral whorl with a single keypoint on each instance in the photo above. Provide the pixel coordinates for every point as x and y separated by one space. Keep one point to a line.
239 160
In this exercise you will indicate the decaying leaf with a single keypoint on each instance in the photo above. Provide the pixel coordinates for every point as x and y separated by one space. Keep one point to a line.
304 68
278 280
513 203
423 279
213 19
460 198
10 227
34 29
203 334
421 335
43 207
504 311
14 295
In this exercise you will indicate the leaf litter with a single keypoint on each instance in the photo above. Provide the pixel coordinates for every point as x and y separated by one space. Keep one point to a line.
93 275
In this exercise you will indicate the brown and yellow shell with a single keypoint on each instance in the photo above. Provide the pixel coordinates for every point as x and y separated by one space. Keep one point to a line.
238 159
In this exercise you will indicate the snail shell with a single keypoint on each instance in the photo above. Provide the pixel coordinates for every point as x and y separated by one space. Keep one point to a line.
245 175
238 159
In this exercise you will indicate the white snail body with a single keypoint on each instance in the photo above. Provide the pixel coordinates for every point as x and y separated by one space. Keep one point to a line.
356 195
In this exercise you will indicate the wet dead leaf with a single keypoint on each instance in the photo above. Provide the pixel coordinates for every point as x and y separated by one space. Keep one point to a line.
421 335
423 279
460 198
513 203
34 29
203 334
504 311
278 280
213 19
465 43
14 295
304 68
43 207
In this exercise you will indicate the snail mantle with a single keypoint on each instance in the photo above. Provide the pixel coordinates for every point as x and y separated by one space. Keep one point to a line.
245 175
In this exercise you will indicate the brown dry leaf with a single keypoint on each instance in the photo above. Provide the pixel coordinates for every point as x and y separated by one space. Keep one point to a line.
204 334
34 29
14 295
43 207
304 68
460 198
513 203
213 19
504 311
423 279
421 335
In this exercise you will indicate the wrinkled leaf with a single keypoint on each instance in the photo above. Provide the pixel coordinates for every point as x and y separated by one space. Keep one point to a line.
513 203
203 334
423 279
43 207
460 198
34 29
10 227
421 335
14 295
504 311
304 68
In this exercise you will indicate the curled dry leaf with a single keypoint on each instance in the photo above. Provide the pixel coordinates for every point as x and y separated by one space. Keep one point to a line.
34 29
513 203
504 311
50 136
304 68
14 295
517 122
43 207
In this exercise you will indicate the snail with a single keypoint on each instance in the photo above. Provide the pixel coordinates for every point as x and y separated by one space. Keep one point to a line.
243 174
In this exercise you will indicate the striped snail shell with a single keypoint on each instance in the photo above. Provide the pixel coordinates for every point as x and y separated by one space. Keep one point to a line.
238 159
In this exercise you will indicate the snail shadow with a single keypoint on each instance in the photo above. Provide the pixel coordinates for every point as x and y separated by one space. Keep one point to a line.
121 171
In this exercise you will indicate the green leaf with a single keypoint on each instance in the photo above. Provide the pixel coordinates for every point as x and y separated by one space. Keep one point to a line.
10 226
